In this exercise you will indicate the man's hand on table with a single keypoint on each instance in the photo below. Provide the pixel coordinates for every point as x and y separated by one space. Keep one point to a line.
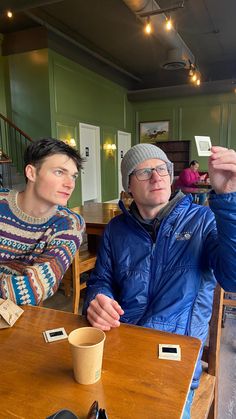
104 312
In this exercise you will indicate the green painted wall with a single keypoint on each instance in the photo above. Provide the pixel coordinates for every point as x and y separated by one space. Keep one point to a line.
211 115
80 95
3 107
51 95
29 90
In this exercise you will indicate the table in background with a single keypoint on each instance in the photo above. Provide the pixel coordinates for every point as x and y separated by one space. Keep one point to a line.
202 184
96 215
37 377
195 191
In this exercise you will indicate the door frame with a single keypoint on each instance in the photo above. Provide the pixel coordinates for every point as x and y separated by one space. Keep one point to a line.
119 173
98 159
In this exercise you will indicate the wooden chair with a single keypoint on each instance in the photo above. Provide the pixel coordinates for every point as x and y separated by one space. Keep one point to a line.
84 261
229 300
205 402
126 198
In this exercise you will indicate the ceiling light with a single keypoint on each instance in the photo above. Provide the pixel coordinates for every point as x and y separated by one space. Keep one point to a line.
9 14
148 26
191 69
194 77
160 11
169 24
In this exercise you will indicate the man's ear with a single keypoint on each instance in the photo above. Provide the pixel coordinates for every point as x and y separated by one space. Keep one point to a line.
30 172
129 192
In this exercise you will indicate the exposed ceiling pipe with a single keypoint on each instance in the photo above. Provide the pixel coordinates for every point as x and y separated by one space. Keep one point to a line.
179 54
21 5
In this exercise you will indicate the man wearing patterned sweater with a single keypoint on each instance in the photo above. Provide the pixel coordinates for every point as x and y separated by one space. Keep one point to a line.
39 235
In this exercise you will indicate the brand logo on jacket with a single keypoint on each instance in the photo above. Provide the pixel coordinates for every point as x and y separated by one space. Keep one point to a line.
186 235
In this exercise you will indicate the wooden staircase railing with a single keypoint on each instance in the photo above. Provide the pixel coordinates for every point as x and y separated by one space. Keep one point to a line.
13 142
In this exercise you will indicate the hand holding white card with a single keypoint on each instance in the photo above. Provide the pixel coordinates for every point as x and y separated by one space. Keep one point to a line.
203 145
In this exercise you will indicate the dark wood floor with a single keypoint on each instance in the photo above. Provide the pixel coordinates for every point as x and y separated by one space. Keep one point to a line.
227 382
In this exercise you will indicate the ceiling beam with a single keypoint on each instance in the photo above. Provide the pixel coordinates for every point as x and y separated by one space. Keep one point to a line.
22 5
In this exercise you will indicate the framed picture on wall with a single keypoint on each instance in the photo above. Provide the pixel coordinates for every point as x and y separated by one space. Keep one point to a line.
150 132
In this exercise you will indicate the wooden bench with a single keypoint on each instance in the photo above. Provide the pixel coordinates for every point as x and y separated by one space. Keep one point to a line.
205 402
83 261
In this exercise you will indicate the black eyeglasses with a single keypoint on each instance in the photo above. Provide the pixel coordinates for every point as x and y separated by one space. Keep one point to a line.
146 173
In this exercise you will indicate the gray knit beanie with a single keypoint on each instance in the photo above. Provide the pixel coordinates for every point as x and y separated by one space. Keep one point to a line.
139 153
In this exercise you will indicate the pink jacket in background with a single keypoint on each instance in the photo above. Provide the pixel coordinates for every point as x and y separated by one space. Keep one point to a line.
187 178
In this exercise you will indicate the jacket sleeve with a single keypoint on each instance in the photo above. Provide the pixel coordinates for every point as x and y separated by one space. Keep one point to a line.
221 243
31 284
101 278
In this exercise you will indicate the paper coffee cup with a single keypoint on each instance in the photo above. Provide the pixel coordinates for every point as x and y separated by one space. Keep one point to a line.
87 351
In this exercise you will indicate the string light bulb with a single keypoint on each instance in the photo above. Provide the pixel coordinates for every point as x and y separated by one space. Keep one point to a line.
169 24
148 26
191 70
9 14
194 77
198 79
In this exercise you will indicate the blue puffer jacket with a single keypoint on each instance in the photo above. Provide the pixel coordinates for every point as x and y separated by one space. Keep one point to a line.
168 285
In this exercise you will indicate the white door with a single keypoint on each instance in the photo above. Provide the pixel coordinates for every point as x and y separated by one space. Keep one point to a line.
91 173
124 144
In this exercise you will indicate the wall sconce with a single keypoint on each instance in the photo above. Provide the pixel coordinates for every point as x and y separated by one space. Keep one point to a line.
109 149
70 141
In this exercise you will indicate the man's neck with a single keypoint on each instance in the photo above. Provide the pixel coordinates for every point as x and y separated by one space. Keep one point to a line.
149 213
29 204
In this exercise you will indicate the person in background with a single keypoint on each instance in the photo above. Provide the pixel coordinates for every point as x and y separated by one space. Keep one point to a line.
39 236
188 177
158 262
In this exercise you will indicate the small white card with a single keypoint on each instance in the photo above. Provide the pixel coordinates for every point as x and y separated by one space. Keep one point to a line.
171 352
55 334
203 145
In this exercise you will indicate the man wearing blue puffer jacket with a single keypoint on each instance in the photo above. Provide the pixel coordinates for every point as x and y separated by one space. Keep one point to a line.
159 261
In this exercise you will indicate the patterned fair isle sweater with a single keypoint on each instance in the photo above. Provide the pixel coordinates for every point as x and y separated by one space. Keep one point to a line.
35 252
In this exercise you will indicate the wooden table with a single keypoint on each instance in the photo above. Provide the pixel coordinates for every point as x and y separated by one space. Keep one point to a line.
96 215
202 184
192 190
37 377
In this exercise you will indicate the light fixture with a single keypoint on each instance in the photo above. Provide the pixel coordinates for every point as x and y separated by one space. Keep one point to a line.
191 69
69 141
148 26
169 24
109 149
194 74
194 77
160 11
9 14
72 142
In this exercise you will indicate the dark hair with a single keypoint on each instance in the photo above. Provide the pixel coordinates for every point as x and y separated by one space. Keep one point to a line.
39 150
193 162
